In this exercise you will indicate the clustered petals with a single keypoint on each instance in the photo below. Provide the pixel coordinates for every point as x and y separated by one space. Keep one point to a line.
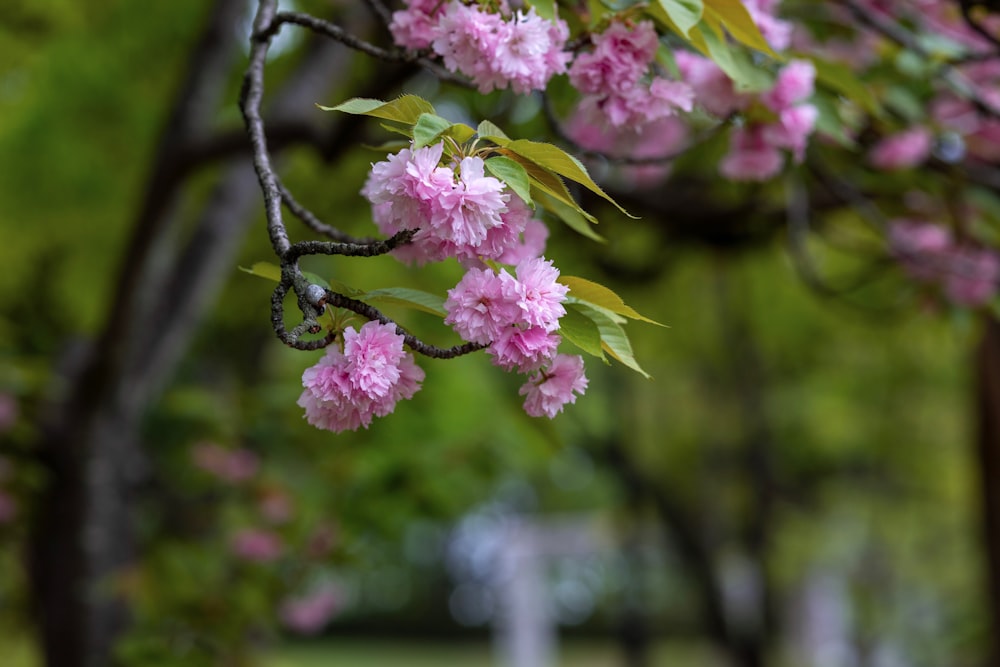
967 274
348 387
755 149
518 317
519 50
613 77
456 212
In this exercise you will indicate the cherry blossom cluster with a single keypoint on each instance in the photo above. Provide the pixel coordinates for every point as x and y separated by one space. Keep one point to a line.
517 316
780 119
496 50
615 80
967 274
365 379
456 212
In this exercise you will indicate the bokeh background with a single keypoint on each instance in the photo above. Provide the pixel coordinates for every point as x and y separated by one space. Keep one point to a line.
798 484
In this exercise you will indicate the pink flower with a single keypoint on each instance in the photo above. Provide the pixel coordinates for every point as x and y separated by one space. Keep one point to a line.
474 206
373 355
620 58
406 189
921 247
537 294
611 76
307 614
776 32
523 348
523 52
516 316
792 130
257 546
276 507
750 157
346 389
229 465
548 390
902 150
8 507
713 90
478 310
530 51
971 275
531 243
794 84
413 27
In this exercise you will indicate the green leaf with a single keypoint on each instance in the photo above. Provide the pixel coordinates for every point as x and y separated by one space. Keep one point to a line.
580 330
404 109
829 121
614 340
264 270
491 132
428 128
511 173
842 79
460 132
410 298
569 215
544 180
738 22
315 279
544 8
559 161
684 14
735 62
590 292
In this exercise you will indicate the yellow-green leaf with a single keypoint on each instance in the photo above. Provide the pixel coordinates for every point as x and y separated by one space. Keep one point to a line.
404 109
428 128
511 173
738 22
410 298
842 79
559 161
684 14
569 215
614 340
264 270
594 293
549 183
491 132
580 330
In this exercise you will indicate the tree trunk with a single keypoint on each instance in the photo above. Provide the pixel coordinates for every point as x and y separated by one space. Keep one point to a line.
988 453
83 534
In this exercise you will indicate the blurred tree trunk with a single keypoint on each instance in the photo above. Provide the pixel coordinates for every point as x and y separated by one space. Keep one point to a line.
988 452
83 535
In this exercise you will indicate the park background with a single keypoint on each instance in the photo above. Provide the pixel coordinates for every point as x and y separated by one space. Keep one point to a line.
802 463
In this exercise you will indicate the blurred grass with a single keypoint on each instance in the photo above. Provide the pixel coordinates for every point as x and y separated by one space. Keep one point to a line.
17 651
368 653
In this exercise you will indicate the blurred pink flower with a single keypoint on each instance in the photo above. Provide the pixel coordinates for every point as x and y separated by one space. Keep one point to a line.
751 157
8 507
971 276
257 546
307 614
903 149
229 465
276 507
9 411
921 247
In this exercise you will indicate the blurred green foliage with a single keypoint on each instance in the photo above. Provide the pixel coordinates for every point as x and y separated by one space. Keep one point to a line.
866 413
